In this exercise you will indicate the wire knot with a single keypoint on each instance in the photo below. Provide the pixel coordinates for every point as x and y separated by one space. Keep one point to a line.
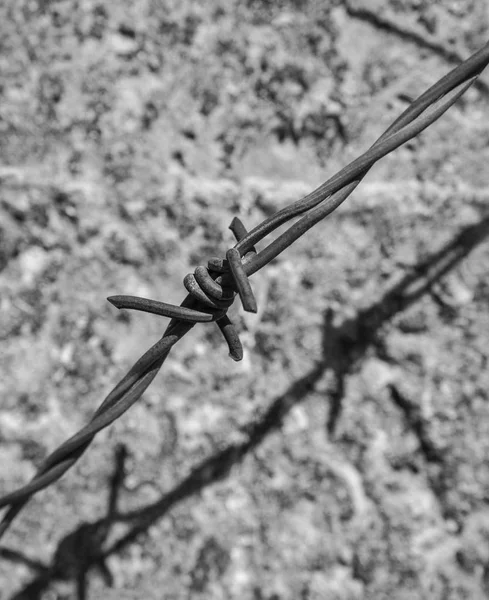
211 291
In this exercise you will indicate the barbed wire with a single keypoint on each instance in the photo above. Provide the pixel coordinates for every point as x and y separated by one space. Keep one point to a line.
212 289
344 345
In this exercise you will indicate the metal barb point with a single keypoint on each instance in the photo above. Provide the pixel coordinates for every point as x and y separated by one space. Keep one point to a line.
241 280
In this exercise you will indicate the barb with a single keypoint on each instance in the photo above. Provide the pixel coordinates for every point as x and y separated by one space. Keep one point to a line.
241 280
212 288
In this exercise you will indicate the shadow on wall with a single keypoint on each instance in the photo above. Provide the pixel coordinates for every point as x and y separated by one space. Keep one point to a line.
343 347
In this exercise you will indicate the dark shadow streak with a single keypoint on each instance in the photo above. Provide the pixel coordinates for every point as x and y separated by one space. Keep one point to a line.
356 335
418 425
342 349
18 557
218 466
79 551
409 35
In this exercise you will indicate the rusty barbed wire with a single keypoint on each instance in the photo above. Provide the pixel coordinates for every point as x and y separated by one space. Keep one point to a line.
212 289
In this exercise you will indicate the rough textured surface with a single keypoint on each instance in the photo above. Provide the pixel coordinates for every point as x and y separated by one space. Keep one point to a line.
346 456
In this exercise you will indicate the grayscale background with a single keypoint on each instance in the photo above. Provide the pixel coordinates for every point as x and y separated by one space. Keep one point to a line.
346 456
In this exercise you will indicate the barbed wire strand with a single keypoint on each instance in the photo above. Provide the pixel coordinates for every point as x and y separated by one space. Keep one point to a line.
472 67
219 282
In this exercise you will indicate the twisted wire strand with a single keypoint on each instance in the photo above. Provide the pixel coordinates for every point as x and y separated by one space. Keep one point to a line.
389 141
472 67
212 288
119 400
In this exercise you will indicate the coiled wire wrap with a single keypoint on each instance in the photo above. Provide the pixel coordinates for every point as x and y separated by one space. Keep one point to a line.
214 288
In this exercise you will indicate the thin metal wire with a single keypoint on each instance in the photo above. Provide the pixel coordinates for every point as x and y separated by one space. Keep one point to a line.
212 288
241 279
334 195
472 67
160 308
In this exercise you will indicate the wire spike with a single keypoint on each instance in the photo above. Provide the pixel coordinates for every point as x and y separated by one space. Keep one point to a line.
231 336
241 279
238 229
160 308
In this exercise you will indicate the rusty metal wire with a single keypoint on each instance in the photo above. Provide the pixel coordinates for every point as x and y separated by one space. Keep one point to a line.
212 289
